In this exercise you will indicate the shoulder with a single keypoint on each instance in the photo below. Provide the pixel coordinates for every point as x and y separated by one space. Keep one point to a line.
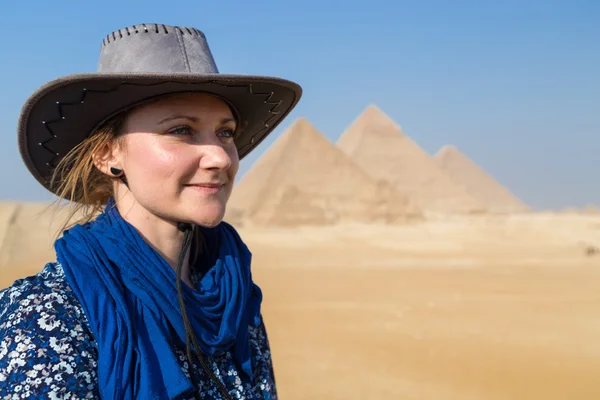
46 347
28 300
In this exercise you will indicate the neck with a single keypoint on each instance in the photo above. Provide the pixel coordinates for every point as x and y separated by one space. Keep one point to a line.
161 234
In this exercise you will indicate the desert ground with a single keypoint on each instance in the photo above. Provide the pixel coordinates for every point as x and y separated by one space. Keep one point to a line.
465 307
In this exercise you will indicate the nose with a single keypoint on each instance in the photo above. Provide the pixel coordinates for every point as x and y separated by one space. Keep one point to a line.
215 157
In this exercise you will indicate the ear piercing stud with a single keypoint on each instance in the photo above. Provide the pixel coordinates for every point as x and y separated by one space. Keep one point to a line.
116 171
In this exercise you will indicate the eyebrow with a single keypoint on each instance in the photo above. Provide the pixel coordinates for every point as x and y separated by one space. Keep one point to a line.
193 119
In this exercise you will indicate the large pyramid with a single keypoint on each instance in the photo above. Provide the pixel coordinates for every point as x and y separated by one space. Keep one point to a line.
380 148
478 183
305 179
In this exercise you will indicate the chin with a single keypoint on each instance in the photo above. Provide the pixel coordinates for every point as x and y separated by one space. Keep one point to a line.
207 212
209 223
209 218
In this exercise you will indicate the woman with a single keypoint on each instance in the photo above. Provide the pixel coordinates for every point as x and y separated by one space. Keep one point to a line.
151 296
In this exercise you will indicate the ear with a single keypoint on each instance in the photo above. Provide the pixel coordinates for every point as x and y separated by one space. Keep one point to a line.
109 155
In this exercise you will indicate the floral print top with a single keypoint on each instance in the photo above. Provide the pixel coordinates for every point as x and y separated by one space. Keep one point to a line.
47 350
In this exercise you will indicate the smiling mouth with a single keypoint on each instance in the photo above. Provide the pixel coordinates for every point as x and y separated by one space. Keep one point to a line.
209 188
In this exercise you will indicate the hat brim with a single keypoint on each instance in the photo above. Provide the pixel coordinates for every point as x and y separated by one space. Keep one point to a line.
62 113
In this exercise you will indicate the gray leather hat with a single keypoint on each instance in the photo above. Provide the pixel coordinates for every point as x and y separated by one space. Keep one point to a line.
137 63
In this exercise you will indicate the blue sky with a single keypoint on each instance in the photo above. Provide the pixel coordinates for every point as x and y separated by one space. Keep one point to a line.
515 85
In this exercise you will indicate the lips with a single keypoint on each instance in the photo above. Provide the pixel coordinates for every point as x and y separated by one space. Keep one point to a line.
209 188
212 185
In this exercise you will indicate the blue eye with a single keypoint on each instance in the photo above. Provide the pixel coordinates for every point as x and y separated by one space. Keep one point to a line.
180 130
227 133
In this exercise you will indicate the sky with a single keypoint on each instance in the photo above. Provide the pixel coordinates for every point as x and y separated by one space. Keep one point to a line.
515 85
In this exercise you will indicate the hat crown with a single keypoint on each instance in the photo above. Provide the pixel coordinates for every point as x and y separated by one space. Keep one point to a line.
156 48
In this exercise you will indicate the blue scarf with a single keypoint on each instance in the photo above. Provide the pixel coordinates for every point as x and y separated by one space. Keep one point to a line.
129 295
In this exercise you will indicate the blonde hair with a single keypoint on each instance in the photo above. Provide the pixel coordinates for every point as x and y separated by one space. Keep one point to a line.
77 180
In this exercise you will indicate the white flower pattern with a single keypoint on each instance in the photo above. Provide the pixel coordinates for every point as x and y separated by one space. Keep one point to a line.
47 350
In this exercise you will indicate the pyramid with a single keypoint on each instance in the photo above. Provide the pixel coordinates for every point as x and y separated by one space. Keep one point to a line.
590 209
478 183
303 179
380 148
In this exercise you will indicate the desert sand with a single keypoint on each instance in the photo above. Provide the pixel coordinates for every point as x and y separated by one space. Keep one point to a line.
480 307
391 274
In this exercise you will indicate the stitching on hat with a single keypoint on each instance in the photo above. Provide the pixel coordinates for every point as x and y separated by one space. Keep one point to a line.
197 32
183 52
273 111
111 37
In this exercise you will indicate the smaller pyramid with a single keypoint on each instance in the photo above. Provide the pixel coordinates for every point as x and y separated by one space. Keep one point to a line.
479 184
303 179
378 145
591 209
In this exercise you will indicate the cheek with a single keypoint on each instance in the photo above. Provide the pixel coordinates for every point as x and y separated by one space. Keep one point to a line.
150 161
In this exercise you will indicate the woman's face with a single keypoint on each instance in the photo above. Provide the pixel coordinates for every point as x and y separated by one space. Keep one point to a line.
179 157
